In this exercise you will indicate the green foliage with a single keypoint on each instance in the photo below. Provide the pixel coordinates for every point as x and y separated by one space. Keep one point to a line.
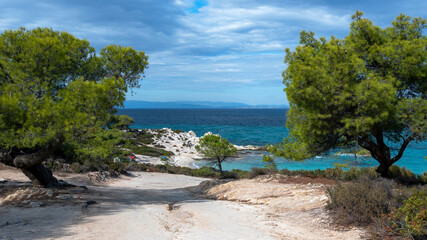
368 87
53 85
410 219
149 151
215 148
204 172
255 171
177 131
270 164
401 175
75 167
362 201
121 122
142 136
240 174
125 63
102 146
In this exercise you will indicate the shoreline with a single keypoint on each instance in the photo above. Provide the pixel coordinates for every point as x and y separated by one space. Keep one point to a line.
185 155
182 145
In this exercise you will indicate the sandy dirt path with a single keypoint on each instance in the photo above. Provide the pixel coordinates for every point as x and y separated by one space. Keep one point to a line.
146 206
157 206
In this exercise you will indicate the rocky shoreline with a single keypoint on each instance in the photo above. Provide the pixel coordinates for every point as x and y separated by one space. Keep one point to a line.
182 145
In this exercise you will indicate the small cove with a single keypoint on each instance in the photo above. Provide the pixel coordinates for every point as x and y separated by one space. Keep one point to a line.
257 127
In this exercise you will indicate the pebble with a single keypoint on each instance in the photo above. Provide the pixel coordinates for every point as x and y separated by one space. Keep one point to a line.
35 204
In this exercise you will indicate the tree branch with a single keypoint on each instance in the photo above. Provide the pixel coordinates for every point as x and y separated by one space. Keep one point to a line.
6 157
403 147
369 145
32 159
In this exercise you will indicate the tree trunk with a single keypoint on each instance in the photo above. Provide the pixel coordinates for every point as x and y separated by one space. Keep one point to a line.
382 169
31 164
42 176
381 152
219 166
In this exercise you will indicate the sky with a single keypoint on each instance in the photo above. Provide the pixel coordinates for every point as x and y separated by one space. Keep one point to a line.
204 50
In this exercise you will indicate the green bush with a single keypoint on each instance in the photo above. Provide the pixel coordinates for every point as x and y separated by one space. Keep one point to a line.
241 174
117 166
354 173
255 171
229 175
422 178
406 176
410 220
209 172
149 151
178 170
361 201
144 137
75 167
135 167
177 131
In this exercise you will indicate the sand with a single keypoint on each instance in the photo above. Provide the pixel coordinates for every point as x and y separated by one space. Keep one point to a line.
164 206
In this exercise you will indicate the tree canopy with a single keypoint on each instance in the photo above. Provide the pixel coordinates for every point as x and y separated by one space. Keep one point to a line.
369 88
55 88
216 149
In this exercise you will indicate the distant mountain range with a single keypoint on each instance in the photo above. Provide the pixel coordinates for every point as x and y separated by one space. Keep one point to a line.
194 104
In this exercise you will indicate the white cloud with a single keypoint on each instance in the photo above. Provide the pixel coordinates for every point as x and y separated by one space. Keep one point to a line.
225 46
227 27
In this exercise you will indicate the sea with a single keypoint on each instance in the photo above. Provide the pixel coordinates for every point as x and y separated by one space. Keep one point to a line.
258 127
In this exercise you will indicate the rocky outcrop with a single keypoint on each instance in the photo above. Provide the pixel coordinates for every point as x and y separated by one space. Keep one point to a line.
183 145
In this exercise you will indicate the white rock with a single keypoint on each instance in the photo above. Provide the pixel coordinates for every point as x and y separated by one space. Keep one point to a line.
183 144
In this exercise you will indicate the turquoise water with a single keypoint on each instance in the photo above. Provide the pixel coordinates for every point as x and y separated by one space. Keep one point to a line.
254 159
256 127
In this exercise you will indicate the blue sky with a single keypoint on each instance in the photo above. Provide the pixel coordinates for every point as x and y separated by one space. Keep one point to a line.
204 50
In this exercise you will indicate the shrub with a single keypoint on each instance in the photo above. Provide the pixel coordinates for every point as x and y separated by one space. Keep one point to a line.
75 167
229 175
354 173
177 131
205 172
178 170
361 201
255 171
403 175
136 167
160 168
150 151
410 220
270 163
117 166
144 137
422 178
240 173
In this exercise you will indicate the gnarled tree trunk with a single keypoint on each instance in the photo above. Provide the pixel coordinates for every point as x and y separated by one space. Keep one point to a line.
31 163
381 152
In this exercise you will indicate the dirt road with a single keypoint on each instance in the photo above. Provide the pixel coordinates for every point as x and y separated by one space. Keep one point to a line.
160 206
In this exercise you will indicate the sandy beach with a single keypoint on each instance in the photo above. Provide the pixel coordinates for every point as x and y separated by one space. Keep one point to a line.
163 206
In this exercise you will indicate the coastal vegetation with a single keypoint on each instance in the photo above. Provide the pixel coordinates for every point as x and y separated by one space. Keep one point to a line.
58 97
369 87
57 94
216 149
